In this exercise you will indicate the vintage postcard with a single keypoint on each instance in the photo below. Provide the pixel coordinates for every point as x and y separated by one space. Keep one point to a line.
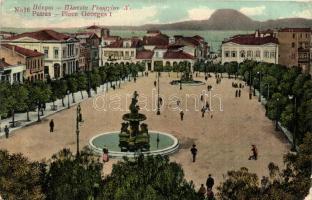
155 100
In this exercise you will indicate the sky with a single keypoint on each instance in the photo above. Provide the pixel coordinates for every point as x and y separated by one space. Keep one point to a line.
139 12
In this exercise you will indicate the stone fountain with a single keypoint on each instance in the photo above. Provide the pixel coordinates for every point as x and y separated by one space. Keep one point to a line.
133 135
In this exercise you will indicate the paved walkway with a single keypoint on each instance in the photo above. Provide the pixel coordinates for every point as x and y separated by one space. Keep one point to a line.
223 140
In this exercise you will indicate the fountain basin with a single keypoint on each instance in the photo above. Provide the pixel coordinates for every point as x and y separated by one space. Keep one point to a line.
168 144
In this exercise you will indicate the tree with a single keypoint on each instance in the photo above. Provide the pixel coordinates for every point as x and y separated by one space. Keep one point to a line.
17 100
71 177
4 106
82 83
62 90
147 178
72 85
141 67
20 179
95 80
41 93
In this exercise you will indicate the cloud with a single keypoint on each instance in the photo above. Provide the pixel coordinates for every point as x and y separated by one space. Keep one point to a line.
200 13
131 17
252 11
303 14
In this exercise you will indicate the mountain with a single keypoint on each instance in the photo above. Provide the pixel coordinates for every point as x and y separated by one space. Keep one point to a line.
222 19
226 19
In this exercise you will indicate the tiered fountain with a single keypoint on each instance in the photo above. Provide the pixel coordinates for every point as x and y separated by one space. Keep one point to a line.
134 137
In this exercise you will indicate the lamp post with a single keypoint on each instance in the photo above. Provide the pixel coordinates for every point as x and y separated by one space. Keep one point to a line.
78 113
259 99
276 114
89 83
158 103
68 105
250 77
291 97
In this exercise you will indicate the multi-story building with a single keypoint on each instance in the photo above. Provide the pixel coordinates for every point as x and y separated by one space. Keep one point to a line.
294 47
11 73
61 52
260 46
33 60
154 49
89 50
101 32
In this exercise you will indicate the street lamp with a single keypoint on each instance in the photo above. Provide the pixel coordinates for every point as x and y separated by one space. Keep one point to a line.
68 105
276 114
291 97
259 99
250 77
78 119
158 103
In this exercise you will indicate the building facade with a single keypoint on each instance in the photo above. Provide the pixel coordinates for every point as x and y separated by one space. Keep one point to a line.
33 60
295 47
61 52
11 73
259 47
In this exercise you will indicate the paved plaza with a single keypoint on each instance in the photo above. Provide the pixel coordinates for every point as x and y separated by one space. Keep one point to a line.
223 137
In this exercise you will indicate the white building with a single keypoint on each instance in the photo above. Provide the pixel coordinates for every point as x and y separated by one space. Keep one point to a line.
258 47
11 73
61 51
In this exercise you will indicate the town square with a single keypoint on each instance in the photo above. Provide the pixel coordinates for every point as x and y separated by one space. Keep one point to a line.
218 107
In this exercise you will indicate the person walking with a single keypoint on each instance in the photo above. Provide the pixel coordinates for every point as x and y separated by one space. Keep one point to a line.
6 131
209 182
51 126
105 156
181 115
203 111
194 152
239 93
254 155
155 83
202 191
236 93
201 97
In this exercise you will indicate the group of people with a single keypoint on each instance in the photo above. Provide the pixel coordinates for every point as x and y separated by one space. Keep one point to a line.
238 93
203 192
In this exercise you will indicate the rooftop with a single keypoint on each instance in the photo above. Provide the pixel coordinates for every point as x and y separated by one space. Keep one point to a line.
177 55
250 39
144 54
22 51
42 35
295 30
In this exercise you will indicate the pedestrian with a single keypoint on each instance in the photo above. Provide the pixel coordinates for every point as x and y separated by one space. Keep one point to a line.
134 79
206 78
207 106
211 116
202 191
155 83
236 93
160 101
178 102
254 155
181 115
201 97
239 93
203 111
6 131
210 195
51 126
209 182
105 156
194 152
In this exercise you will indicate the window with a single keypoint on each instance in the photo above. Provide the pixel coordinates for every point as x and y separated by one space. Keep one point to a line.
157 54
306 35
64 53
258 54
226 54
233 54
46 52
127 54
56 52
242 54
272 54
300 35
292 44
132 53
249 53
266 54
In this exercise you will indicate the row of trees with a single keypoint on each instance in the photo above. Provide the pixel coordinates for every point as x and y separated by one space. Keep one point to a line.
28 96
288 91
66 176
